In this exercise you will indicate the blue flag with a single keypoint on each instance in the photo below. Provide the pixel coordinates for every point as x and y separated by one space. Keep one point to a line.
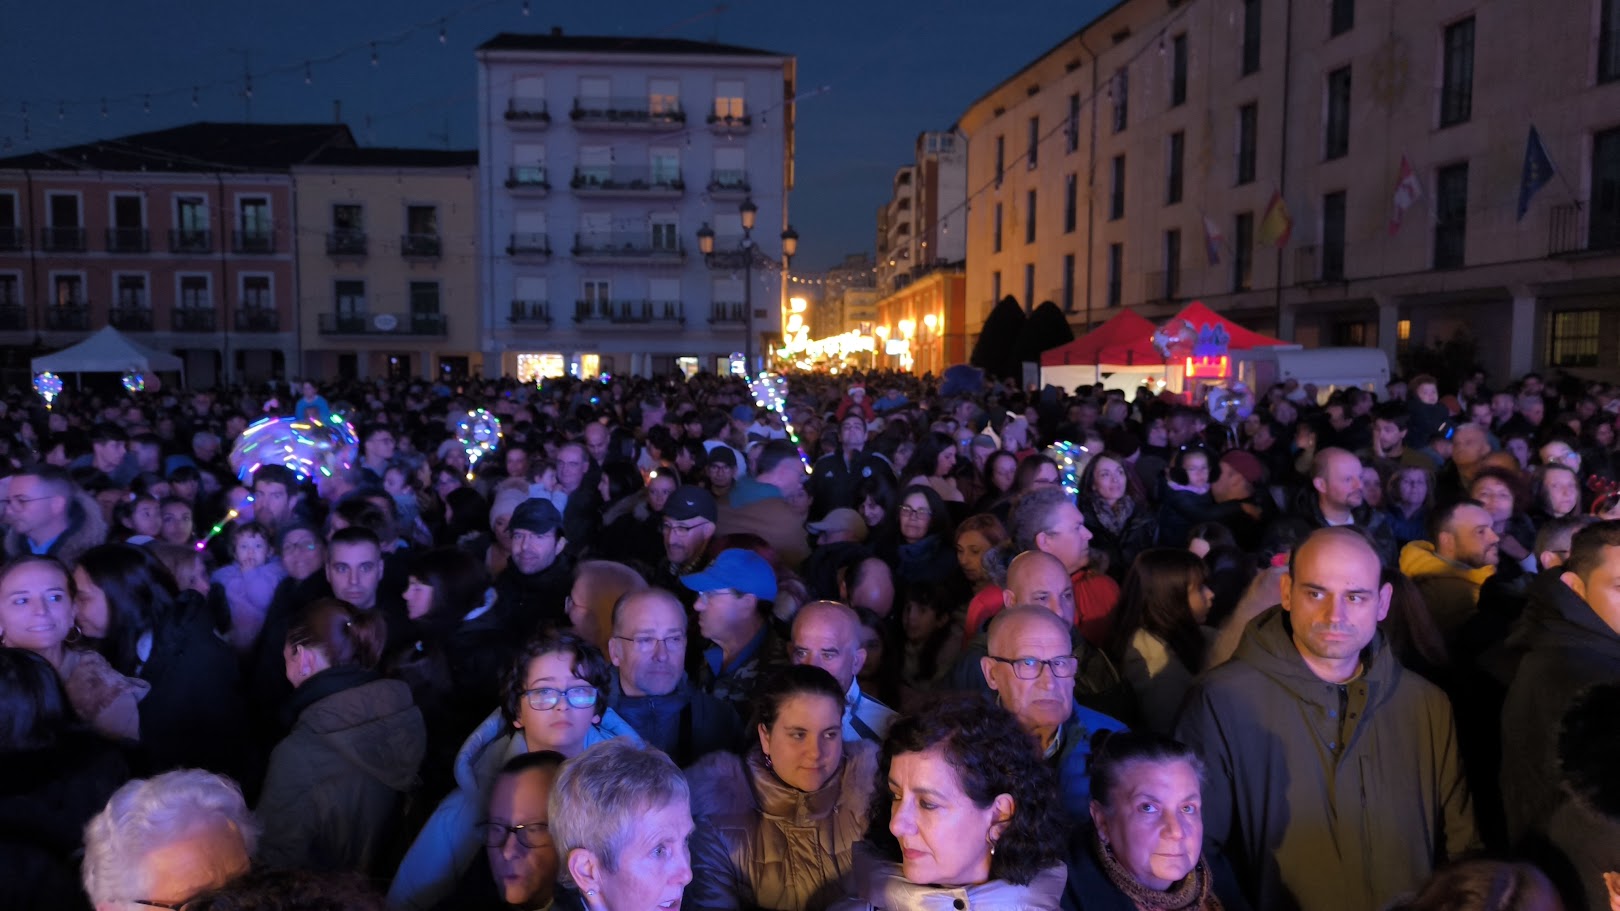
1538 170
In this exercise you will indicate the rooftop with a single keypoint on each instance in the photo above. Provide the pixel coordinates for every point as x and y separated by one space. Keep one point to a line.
201 146
395 158
555 40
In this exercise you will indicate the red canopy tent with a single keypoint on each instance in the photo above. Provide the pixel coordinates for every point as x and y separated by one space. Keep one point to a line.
1240 339
1126 338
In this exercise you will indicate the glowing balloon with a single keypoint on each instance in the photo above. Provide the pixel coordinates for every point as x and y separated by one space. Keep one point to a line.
1231 404
478 432
309 448
1071 459
48 385
134 382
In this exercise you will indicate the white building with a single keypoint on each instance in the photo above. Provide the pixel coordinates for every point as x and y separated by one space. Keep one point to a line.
602 158
924 223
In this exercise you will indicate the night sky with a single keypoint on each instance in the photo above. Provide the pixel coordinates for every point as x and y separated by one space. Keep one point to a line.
872 73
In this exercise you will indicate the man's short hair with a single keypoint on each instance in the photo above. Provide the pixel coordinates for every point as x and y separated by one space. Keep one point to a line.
1030 513
149 813
774 453
354 534
1560 531
54 479
107 432
276 474
1441 519
1586 548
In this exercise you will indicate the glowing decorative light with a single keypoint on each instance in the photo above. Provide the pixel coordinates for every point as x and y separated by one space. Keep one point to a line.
229 518
1071 459
478 432
48 385
305 446
134 382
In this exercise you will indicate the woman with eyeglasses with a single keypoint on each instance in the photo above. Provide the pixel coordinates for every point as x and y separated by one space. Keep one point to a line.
334 785
553 697
927 550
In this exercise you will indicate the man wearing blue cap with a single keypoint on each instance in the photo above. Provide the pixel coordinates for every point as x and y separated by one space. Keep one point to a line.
734 600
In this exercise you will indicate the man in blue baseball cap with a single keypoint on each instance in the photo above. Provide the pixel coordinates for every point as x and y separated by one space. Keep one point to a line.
734 599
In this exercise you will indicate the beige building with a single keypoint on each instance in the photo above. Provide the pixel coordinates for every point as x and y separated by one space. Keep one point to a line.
1116 160
388 264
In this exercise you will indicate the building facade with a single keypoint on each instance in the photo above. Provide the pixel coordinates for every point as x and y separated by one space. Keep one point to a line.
388 264
923 327
183 238
924 222
603 158
1249 155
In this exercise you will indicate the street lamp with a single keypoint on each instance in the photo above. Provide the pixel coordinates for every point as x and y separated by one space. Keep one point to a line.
746 252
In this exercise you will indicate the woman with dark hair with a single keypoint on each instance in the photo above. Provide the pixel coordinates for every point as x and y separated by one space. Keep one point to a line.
1158 641
969 815
932 464
619 480
927 550
1000 480
1408 496
1116 511
137 520
802 786
334 784
1503 493
977 535
875 500
54 776
126 600
1557 493
467 520
1036 469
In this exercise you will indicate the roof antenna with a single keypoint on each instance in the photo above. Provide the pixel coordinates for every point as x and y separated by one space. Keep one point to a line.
719 10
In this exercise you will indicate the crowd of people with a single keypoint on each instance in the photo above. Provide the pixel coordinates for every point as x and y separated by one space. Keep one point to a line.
877 648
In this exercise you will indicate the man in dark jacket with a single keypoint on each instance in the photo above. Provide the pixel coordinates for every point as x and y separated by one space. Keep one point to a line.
1335 499
529 593
1309 734
650 688
834 478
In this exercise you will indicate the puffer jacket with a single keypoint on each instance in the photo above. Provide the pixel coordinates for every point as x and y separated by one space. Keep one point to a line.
762 843
86 528
1326 797
1450 589
334 784
449 841
881 885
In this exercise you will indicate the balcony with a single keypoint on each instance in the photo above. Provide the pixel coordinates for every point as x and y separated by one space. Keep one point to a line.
722 312
626 114
420 246
253 242
346 242
529 180
531 313
62 240
730 123
530 245
13 318
383 324
257 319
626 180
131 318
628 246
729 184
193 319
191 240
630 312
12 239
1574 229
129 240
528 113
1318 264
68 317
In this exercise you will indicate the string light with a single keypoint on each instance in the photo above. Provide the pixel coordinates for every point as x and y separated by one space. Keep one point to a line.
194 96
443 38
103 108
229 518
525 8
308 77
146 104
373 53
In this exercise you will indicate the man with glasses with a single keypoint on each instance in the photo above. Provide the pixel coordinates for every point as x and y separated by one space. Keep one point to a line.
687 529
48 516
574 494
522 856
734 600
650 689
1031 668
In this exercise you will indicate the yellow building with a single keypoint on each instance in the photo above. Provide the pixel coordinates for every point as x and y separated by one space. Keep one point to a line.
388 264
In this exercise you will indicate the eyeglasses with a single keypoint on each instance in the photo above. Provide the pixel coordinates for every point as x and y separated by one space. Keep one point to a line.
296 546
1062 667
545 698
531 835
172 906
20 502
921 512
647 644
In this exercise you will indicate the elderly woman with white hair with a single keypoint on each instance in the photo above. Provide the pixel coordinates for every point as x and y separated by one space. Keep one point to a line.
164 841
620 814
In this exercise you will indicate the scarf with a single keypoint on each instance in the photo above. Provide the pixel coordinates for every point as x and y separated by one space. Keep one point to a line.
1113 518
1191 894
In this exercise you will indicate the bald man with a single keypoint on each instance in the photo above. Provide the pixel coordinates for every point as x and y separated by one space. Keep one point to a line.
827 634
1033 578
1337 500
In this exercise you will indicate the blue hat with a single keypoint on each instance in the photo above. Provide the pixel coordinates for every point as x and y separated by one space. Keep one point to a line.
740 570
743 413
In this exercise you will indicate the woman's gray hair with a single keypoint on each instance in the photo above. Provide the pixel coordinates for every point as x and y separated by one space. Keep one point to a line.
603 791
149 813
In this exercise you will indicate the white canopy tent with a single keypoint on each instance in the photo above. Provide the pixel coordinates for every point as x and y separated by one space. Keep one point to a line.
109 351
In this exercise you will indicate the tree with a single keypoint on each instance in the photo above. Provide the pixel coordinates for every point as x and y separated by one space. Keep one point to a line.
996 351
1045 329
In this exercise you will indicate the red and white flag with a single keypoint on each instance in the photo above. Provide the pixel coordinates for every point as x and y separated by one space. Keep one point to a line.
1408 190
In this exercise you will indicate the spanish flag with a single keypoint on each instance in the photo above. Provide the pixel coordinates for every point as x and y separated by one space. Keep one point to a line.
1276 226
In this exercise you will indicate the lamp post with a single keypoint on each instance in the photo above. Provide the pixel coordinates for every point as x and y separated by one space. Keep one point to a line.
746 251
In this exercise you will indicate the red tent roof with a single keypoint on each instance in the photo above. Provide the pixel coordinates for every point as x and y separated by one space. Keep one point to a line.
1241 339
1126 338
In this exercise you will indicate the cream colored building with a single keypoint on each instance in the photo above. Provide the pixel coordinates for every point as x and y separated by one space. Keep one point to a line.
1106 160
388 264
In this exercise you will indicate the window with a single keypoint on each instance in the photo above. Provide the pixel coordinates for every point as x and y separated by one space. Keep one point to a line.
424 298
69 289
1072 132
1451 216
1116 274
422 221
1248 139
595 92
1029 218
1573 337
1034 141
10 290
1403 335
348 217
1029 287
65 230
1251 37
1172 264
1332 263
596 291
666 236
1336 138
1173 170
1604 227
1178 70
1457 74
195 293
666 167
350 295
1243 252
1001 158
1071 203
1116 191
1122 99
11 237
995 287
253 225
1341 17
130 292
995 231
1609 41
256 292
129 211
190 234
1068 283
663 96
728 100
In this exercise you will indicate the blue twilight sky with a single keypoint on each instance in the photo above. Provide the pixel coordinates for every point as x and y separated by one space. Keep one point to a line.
877 72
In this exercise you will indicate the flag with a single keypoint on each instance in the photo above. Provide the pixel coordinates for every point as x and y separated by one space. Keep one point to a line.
1408 190
1212 240
1276 226
1538 170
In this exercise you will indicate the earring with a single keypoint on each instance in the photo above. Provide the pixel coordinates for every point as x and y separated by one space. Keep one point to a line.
74 636
768 761
992 843
590 893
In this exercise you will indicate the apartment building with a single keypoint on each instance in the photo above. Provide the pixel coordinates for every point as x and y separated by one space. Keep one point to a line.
604 157
924 221
1248 154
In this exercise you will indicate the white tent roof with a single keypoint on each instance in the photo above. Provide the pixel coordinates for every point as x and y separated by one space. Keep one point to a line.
108 351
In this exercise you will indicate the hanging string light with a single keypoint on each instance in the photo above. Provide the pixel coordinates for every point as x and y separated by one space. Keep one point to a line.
373 53
308 77
443 38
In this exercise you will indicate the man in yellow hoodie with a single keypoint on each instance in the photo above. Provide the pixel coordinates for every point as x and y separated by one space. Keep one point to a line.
1450 571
